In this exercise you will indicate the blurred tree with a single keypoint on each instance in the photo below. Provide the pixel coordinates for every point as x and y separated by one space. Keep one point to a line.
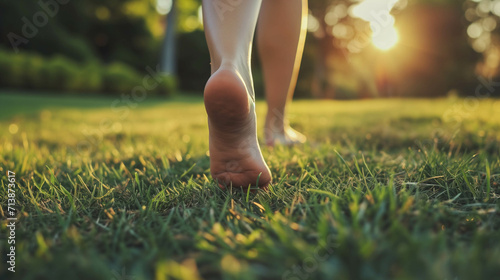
168 57
189 16
483 32
193 58
353 57
108 30
181 17
324 14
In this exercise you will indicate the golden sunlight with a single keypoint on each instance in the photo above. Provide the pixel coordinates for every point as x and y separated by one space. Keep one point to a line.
378 14
386 39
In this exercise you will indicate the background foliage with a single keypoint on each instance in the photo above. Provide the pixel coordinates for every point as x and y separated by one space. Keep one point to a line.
439 51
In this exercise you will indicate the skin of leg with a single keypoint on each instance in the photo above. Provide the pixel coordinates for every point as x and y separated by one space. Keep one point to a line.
235 156
281 33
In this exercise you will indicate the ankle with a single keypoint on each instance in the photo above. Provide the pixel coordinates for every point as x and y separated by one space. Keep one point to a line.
275 119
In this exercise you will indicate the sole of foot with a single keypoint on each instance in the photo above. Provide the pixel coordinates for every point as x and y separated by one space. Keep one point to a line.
235 157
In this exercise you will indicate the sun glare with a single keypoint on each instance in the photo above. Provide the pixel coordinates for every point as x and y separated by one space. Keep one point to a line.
378 14
163 7
386 39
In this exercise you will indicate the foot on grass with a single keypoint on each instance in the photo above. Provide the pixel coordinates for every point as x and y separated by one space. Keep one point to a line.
235 156
278 132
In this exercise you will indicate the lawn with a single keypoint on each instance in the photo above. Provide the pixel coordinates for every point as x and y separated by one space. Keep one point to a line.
385 189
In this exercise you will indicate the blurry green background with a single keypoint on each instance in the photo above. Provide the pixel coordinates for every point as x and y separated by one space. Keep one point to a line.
76 46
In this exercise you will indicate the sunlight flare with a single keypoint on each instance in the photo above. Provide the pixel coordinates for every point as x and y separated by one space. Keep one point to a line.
386 39
378 14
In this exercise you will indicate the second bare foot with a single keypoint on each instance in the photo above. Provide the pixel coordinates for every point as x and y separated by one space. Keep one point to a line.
279 132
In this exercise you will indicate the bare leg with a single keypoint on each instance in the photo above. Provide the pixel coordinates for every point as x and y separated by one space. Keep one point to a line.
235 156
281 33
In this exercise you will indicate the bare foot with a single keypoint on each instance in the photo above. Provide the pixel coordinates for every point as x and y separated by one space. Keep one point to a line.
235 156
278 132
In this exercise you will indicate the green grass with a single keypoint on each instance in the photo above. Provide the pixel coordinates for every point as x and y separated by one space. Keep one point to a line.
385 189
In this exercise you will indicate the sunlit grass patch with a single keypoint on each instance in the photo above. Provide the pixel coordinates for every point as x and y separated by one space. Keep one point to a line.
405 189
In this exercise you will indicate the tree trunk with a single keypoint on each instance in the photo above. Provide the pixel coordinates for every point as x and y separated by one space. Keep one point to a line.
168 57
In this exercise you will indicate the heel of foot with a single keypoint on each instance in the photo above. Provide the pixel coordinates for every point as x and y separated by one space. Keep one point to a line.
226 97
235 156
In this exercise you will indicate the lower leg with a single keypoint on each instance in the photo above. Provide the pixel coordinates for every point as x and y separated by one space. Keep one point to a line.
280 38
235 156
